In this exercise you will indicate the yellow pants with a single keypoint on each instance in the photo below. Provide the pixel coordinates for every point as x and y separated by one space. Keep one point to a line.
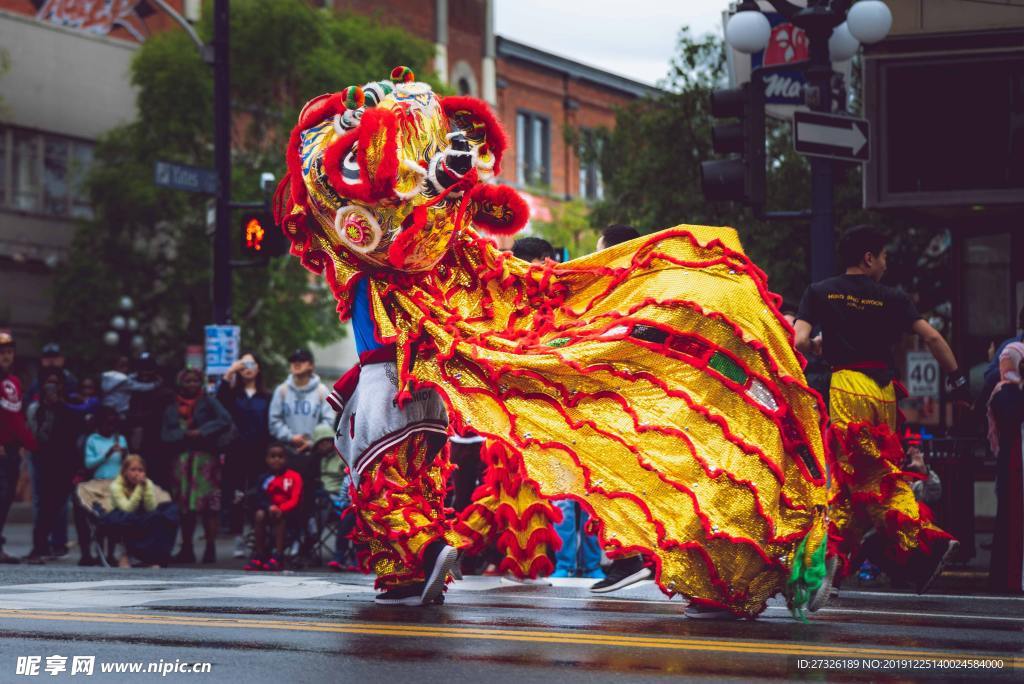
869 490
508 511
399 507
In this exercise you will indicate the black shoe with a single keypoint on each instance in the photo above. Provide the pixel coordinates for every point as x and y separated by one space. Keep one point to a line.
696 611
36 557
405 595
184 557
438 561
8 559
87 561
931 566
57 552
210 555
622 573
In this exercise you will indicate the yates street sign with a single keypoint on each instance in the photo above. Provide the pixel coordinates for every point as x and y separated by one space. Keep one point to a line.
184 177
826 135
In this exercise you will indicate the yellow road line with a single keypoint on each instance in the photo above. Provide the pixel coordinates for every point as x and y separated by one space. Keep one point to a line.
536 636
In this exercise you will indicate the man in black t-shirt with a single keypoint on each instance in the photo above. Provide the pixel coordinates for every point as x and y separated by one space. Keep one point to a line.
861 320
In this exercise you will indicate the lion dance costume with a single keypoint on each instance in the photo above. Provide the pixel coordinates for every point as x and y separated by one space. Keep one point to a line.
654 382
870 492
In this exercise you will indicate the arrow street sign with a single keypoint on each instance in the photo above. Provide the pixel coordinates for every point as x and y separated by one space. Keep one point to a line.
183 177
826 135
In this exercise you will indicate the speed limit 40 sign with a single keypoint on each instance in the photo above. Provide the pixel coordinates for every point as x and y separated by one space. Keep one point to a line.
922 375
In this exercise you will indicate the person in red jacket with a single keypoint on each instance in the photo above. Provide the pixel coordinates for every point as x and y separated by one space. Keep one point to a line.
14 435
280 490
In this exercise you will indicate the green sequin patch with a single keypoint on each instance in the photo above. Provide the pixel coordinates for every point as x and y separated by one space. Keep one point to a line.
727 367
557 342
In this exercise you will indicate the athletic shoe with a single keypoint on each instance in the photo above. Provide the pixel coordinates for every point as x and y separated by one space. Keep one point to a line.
457 569
241 550
57 552
868 572
526 581
273 565
210 555
254 565
824 592
696 611
404 595
932 565
335 566
37 556
622 573
594 574
438 561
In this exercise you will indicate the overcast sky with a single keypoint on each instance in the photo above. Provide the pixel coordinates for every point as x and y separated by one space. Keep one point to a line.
634 38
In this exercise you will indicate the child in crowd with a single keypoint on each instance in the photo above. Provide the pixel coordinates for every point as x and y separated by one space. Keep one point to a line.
105 448
147 529
279 492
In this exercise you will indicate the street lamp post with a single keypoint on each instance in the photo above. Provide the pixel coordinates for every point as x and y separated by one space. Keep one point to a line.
124 329
222 161
834 31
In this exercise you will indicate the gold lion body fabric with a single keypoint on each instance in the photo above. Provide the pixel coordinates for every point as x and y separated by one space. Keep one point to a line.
655 382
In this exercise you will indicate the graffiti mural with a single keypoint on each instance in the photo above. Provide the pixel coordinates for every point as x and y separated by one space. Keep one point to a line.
99 17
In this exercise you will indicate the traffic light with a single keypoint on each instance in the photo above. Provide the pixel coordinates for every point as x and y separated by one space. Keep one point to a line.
260 237
739 178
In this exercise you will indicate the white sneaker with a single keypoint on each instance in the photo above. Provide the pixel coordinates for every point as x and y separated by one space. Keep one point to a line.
241 550
438 569
824 592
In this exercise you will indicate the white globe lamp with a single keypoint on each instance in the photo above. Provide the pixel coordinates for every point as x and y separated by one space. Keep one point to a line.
748 31
869 21
118 323
111 338
126 303
842 45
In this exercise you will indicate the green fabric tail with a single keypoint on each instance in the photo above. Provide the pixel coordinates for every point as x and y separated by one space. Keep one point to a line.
805 579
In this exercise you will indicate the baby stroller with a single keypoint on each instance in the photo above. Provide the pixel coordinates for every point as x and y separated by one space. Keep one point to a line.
105 526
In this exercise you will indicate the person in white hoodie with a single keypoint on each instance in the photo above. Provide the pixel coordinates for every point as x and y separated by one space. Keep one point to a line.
118 386
299 404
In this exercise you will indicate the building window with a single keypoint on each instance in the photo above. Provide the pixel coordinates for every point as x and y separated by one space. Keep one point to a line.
533 149
25 171
43 173
464 79
589 155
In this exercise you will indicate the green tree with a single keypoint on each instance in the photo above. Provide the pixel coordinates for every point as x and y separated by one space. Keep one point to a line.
569 227
154 244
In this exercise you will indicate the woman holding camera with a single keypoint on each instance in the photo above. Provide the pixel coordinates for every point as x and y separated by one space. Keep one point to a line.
243 394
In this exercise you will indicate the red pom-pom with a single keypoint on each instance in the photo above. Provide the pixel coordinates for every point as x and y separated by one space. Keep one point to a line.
499 209
353 97
402 74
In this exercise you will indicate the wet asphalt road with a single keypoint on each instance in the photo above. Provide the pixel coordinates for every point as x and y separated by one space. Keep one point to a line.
256 628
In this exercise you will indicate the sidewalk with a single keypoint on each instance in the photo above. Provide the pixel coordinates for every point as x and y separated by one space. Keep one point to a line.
19 542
